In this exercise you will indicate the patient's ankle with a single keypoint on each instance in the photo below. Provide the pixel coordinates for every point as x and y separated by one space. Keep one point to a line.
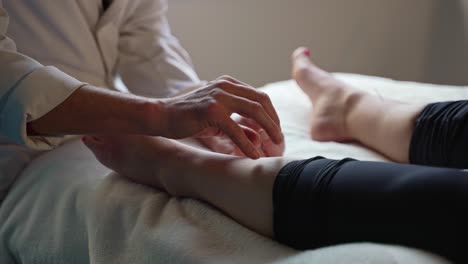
354 103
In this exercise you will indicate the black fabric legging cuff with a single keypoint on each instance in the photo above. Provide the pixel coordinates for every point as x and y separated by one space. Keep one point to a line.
293 192
440 137
321 202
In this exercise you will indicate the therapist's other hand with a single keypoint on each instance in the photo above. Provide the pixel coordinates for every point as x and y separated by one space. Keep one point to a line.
206 112
257 135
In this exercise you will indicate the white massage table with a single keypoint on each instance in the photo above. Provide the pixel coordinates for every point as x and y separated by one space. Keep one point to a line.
67 208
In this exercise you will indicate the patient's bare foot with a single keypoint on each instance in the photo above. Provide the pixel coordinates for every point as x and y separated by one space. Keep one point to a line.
332 99
147 160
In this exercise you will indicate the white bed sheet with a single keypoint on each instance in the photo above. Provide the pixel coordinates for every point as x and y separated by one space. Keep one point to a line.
67 208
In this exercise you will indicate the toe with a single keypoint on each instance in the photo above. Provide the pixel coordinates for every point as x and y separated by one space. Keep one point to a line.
305 72
302 66
301 59
301 53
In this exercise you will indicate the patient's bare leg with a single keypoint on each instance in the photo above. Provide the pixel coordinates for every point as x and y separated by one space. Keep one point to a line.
240 187
343 113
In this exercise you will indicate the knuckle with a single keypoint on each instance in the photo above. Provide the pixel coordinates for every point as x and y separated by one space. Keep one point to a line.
218 94
222 83
263 97
211 102
213 92
215 83
225 77
257 107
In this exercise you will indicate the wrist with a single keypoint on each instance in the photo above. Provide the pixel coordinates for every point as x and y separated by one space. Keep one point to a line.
155 117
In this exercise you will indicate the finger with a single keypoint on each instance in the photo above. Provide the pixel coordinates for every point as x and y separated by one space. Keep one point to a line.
237 152
252 135
251 94
244 107
262 153
230 79
209 135
269 148
234 80
222 144
248 122
237 135
209 132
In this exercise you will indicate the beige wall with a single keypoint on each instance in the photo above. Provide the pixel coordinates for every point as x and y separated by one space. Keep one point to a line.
421 40
447 59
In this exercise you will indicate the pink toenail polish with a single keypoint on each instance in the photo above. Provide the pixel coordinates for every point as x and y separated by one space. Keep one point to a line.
307 52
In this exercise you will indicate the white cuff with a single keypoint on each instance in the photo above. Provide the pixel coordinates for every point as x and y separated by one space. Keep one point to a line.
33 97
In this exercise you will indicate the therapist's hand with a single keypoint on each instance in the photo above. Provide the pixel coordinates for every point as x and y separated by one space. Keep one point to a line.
257 135
206 112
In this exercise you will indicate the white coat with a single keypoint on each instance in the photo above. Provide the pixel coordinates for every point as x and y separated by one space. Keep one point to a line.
78 42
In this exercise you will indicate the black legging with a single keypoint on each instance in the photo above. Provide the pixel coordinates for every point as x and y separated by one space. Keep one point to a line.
320 202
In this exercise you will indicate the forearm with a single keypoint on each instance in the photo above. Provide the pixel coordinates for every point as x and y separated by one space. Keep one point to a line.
92 110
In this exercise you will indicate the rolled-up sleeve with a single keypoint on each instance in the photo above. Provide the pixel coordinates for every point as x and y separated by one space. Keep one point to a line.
28 91
151 60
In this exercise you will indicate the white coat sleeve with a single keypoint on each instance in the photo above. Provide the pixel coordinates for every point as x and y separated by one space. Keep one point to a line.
152 63
28 91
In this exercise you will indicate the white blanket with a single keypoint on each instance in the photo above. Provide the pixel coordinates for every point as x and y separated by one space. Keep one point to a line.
66 208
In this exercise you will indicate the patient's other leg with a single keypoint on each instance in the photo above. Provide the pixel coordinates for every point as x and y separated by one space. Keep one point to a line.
344 113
